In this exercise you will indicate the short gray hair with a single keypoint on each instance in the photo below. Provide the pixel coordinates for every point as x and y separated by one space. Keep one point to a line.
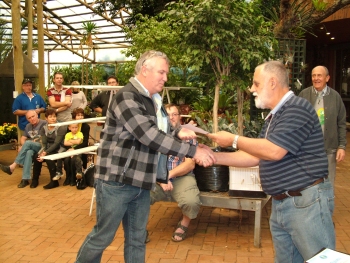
277 69
143 60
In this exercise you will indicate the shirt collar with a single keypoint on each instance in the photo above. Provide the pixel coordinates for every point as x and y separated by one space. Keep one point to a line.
145 90
323 92
285 98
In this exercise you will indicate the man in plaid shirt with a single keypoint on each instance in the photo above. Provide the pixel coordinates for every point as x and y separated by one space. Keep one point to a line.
132 155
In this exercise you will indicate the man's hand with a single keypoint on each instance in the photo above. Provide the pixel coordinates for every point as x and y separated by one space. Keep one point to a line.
186 134
222 138
204 156
167 187
340 155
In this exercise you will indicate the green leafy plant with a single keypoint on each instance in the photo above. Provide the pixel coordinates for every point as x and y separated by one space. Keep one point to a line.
319 5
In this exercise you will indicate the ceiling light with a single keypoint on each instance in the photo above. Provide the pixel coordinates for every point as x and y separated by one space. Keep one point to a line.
328 33
332 38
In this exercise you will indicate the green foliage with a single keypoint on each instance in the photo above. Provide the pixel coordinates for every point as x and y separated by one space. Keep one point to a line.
137 7
149 33
319 5
212 43
5 42
228 35
295 23
125 71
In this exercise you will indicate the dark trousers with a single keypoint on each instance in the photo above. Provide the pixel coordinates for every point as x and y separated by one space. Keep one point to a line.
73 165
51 165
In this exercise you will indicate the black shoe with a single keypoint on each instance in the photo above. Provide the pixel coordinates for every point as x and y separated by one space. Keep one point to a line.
73 183
52 184
147 237
66 182
23 183
34 183
5 169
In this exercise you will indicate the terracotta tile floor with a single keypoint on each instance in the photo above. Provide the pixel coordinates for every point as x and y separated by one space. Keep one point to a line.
38 225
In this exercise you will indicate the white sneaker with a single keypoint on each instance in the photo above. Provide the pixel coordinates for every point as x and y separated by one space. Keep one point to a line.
58 176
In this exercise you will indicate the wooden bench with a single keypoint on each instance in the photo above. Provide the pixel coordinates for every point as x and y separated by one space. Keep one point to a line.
223 200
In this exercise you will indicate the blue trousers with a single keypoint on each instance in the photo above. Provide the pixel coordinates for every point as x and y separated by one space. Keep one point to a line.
116 203
25 157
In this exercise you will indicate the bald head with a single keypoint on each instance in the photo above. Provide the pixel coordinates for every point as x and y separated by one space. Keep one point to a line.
32 117
320 77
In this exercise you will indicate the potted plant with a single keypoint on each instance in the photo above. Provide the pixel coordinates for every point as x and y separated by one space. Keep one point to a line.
8 136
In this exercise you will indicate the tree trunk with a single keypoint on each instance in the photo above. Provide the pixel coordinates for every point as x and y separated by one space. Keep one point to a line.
17 49
41 48
240 101
216 105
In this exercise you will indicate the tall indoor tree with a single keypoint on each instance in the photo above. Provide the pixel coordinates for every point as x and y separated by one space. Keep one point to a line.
227 35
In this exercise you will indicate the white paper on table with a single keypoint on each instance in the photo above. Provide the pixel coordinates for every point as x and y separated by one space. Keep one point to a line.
194 128
329 256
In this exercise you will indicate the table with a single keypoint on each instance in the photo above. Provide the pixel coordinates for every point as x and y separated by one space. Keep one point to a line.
223 200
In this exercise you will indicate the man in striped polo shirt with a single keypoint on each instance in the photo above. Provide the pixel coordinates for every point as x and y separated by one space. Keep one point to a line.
293 166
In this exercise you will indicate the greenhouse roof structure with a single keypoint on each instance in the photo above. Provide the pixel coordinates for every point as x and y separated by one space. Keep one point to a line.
64 29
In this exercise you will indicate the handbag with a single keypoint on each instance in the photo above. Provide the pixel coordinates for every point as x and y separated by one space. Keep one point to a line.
81 185
89 175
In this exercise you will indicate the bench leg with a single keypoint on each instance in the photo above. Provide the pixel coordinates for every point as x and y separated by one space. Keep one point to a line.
257 223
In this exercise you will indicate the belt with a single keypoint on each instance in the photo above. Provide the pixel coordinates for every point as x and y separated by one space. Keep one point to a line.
297 192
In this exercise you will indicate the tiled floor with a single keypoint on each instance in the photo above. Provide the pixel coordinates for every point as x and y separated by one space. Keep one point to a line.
38 225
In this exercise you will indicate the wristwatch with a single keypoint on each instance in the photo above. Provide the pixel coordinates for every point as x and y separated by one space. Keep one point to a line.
235 140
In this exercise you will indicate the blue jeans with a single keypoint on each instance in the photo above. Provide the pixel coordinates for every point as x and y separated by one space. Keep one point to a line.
115 203
332 164
302 225
25 157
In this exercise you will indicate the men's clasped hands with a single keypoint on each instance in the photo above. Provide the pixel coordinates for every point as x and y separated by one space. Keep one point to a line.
204 155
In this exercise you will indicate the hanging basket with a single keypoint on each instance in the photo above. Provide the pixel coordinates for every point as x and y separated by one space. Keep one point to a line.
212 179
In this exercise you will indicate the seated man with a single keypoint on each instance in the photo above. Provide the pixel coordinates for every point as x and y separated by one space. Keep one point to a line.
181 187
30 142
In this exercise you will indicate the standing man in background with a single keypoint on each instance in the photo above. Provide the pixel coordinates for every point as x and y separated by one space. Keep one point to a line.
27 100
60 98
102 100
331 112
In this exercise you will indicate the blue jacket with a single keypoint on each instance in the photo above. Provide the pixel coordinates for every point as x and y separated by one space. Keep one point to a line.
22 102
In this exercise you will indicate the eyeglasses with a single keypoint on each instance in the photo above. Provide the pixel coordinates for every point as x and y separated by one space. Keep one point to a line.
174 114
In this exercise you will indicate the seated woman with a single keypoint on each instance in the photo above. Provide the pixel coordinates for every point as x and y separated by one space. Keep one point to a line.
69 163
51 138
